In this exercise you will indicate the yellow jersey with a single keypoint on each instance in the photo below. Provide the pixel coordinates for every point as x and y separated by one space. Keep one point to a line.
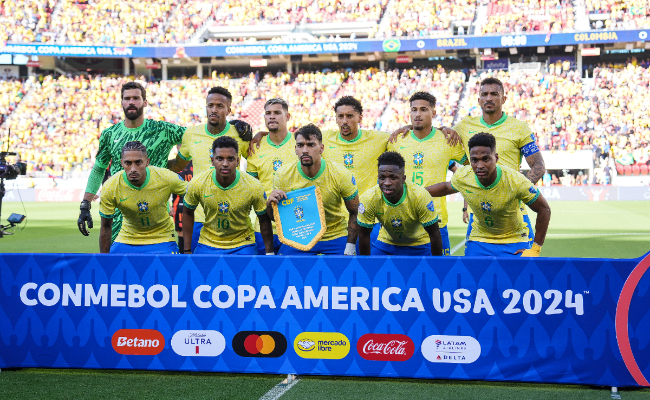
144 208
268 159
227 210
402 223
514 138
427 162
497 217
336 185
359 155
197 146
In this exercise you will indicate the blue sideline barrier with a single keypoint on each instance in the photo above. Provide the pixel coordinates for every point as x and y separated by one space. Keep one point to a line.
533 320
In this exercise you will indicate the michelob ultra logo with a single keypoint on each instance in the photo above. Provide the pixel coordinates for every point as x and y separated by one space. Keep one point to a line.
323 345
259 344
198 343
138 342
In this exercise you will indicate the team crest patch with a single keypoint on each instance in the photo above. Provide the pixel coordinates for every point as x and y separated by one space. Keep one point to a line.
348 160
264 195
143 206
533 190
486 206
362 209
223 207
354 181
418 159
299 213
431 206
396 222
277 164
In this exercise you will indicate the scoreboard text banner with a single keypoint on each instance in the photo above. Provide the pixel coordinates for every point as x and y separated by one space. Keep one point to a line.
580 321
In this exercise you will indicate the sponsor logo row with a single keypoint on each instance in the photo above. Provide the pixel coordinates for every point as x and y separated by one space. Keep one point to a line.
317 345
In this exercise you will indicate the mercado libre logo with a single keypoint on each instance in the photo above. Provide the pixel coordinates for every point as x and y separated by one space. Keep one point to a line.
391 45
259 344
322 345
451 349
198 343
385 347
138 342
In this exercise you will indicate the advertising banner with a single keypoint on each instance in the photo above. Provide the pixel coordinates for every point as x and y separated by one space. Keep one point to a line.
580 321
391 45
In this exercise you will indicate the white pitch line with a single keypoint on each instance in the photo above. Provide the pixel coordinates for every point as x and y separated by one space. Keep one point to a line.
458 246
278 390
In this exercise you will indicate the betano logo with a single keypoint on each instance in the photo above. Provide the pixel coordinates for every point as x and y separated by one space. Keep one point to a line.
138 342
198 343
259 344
323 345
451 349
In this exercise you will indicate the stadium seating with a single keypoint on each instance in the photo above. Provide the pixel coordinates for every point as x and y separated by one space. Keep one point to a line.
187 18
427 17
619 14
23 20
13 92
516 16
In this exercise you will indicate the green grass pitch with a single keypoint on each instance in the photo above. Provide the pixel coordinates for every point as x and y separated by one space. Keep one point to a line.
578 229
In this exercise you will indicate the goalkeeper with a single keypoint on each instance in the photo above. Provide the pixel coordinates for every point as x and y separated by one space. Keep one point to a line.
494 192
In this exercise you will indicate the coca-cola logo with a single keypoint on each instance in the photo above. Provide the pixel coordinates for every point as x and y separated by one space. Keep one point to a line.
385 347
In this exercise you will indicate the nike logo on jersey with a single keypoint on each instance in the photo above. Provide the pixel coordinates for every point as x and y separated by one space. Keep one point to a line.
205 195
472 131
263 155
124 199
198 141
116 140
403 147
379 213
332 147
468 191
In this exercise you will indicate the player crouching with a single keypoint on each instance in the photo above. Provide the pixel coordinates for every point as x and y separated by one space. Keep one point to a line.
227 198
494 193
141 193
409 221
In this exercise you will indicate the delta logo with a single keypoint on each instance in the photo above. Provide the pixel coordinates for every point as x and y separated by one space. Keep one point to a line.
385 347
268 344
451 349
198 343
138 342
322 345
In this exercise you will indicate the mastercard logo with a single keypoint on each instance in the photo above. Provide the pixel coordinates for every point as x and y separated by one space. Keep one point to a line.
259 344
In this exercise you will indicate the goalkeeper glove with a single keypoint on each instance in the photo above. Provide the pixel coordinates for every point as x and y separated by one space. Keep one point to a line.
533 251
243 129
85 217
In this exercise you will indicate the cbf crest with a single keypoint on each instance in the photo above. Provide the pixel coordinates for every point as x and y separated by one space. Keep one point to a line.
486 206
396 222
299 213
348 160
277 164
418 159
143 206
223 207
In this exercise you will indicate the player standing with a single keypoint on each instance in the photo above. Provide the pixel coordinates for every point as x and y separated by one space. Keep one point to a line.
227 198
337 187
405 211
197 142
428 153
141 193
276 150
494 192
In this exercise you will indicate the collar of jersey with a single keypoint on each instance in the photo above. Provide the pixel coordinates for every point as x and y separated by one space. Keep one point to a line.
400 200
218 134
353 140
132 186
493 183
494 125
277 146
135 129
232 185
320 172
429 136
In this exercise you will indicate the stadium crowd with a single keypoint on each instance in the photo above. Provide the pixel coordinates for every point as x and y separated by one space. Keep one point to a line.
516 16
619 13
426 17
22 20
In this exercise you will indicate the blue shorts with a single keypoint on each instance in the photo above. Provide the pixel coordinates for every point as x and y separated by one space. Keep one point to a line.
259 243
481 249
196 233
158 248
331 247
246 250
531 233
380 248
446 246
373 236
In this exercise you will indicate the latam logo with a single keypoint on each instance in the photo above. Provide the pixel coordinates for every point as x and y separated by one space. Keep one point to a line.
138 342
198 343
259 344
451 349
385 347
322 345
